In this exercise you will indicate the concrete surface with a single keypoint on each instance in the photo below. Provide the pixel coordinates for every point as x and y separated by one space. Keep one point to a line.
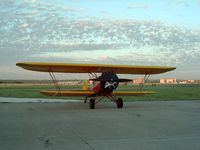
35 100
165 125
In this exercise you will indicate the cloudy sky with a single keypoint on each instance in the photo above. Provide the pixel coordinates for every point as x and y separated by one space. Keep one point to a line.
129 32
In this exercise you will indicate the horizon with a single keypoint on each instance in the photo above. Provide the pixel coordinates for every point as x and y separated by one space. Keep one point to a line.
147 33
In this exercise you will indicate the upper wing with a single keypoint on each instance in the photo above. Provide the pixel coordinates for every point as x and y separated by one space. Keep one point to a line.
93 68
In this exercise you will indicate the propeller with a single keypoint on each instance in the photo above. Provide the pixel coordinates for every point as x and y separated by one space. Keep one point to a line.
124 80
110 80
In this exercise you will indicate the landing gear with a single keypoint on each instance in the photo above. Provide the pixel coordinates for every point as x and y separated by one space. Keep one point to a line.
92 103
85 100
119 103
112 97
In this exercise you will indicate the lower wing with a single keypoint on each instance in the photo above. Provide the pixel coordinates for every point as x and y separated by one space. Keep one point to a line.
67 93
133 93
90 93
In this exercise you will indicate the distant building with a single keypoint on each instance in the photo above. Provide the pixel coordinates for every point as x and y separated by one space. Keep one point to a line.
69 82
61 82
183 82
191 81
138 81
187 81
168 81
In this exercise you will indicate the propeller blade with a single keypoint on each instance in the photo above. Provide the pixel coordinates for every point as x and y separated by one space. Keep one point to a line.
117 80
124 80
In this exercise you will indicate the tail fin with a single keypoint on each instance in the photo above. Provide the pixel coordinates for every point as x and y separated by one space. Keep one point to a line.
85 85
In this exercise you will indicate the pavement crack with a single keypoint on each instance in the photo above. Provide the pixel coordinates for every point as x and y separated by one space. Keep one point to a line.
84 141
89 145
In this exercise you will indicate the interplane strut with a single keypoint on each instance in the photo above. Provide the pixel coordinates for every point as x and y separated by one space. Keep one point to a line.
145 80
54 80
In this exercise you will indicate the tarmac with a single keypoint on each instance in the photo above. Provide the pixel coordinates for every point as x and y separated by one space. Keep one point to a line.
141 125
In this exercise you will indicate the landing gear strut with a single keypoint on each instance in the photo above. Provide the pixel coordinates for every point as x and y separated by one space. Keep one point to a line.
85 100
112 97
92 103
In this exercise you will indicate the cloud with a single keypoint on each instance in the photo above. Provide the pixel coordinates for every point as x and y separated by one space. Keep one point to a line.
25 25
178 1
72 9
49 34
104 56
37 30
33 1
82 9
138 7
84 46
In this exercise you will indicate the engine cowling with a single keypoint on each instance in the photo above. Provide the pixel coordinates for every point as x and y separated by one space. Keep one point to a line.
109 80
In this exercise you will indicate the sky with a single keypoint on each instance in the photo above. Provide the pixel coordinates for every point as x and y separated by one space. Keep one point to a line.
125 32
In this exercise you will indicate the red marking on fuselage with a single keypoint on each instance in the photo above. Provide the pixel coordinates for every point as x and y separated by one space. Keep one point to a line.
98 89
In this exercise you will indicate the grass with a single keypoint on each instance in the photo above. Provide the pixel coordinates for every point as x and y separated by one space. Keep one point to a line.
169 92
163 92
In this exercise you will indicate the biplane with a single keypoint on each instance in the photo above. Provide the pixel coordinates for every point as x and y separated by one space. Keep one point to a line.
102 86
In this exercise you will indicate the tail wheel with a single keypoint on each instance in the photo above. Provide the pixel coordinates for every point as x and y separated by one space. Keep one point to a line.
92 103
119 103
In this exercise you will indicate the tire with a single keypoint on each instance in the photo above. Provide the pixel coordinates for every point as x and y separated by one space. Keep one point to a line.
92 103
119 103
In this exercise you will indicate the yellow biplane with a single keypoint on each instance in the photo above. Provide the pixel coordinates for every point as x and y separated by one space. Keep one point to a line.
102 86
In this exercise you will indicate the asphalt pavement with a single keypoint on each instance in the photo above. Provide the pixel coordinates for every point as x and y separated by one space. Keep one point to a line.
144 125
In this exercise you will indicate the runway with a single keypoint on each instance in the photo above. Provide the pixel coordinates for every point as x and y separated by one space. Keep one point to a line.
35 100
145 125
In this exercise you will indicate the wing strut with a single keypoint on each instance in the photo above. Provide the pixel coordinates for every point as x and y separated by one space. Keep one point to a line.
145 80
54 80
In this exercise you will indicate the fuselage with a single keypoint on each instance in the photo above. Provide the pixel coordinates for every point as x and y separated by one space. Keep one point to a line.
105 85
98 88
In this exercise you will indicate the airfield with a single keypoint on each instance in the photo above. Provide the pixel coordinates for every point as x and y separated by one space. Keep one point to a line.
142 125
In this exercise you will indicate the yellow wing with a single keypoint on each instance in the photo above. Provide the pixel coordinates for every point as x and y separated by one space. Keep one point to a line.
133 93
90 93
93 68
67 93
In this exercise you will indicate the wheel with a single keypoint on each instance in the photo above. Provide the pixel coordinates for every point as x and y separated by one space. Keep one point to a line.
92 103
119 103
